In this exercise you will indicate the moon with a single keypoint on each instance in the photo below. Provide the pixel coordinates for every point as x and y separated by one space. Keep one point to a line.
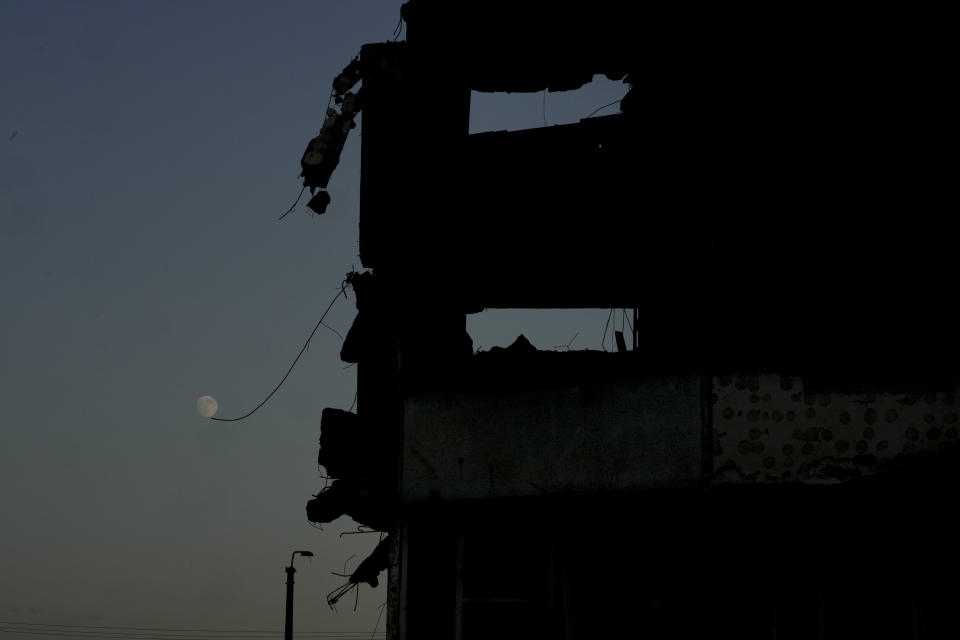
207 406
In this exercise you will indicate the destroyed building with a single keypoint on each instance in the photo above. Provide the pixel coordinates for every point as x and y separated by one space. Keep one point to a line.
774 454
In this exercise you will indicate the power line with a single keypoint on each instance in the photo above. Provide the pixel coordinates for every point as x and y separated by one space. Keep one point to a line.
9 623
121 635
154 633
128 634
284 379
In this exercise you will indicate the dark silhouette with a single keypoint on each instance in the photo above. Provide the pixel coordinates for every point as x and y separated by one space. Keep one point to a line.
776 452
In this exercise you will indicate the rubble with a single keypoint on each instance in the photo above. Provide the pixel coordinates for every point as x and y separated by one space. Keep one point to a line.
322 154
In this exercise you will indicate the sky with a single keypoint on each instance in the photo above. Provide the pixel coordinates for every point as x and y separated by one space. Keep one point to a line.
147 150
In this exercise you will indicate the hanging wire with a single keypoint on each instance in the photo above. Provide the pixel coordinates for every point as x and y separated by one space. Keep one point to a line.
380 615
284 379
399 30
609 104
334 596
325 477
339 335
603 340
325 111
294 203
567 346
346 561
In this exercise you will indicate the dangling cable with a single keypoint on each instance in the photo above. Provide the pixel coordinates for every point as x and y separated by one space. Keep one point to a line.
279 384
294 204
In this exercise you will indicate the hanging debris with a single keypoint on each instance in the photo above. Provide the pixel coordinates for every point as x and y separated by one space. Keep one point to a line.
348 78
341 442
350 456
369 570
357 340
318 203
330 504
356 499
323 152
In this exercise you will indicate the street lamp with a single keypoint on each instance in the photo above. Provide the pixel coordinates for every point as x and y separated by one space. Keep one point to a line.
288 622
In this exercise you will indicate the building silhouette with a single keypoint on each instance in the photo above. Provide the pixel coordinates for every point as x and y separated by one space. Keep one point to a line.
771 452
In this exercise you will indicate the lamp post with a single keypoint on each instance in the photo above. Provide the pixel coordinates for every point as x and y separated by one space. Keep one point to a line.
288 622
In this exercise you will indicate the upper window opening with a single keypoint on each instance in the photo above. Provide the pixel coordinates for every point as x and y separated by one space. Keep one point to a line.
513 111
550 329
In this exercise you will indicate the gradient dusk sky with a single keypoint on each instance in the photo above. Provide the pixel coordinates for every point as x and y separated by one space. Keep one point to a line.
147 150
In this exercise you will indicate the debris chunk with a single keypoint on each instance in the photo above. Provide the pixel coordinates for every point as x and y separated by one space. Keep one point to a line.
369 570
319 202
